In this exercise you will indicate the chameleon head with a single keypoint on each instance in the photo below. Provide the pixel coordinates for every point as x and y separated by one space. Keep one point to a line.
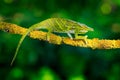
84 28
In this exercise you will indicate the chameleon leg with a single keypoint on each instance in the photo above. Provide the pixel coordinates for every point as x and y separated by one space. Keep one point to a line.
48 35
81 37
69 35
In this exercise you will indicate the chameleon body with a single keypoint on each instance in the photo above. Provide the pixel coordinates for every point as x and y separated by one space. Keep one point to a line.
59 25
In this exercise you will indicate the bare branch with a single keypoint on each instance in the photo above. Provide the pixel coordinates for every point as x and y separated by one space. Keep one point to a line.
55 39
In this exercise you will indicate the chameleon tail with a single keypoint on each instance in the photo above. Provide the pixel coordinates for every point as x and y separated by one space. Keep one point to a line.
19 44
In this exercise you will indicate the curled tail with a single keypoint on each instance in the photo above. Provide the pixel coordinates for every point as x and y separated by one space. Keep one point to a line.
19 44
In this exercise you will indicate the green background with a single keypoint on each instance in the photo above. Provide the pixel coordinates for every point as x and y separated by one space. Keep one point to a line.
39 60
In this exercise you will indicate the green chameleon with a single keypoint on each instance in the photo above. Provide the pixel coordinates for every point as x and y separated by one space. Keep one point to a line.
59 25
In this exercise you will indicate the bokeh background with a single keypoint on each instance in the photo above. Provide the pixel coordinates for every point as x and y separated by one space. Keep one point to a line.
39 60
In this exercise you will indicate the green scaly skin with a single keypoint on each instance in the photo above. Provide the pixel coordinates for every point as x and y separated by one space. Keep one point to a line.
59 25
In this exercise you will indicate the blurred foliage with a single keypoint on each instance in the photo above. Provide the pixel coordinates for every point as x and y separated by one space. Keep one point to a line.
39 60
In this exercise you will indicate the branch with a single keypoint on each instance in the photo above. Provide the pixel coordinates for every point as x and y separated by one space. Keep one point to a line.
55 39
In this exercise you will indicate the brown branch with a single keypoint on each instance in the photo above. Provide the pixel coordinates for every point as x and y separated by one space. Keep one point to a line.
55 39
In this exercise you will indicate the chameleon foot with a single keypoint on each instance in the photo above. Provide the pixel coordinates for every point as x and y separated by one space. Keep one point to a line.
82 38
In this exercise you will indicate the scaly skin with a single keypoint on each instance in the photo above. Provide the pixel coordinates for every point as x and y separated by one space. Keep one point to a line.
59 25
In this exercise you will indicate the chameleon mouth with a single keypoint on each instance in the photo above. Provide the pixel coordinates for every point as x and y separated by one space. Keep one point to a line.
91 29
84 31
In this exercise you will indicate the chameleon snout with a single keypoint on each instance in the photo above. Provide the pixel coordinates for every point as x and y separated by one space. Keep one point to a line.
90 29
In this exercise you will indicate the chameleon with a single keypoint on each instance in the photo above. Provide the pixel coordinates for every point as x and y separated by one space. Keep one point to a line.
59 25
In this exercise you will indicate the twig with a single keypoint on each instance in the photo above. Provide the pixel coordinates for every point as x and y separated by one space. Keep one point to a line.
55 39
